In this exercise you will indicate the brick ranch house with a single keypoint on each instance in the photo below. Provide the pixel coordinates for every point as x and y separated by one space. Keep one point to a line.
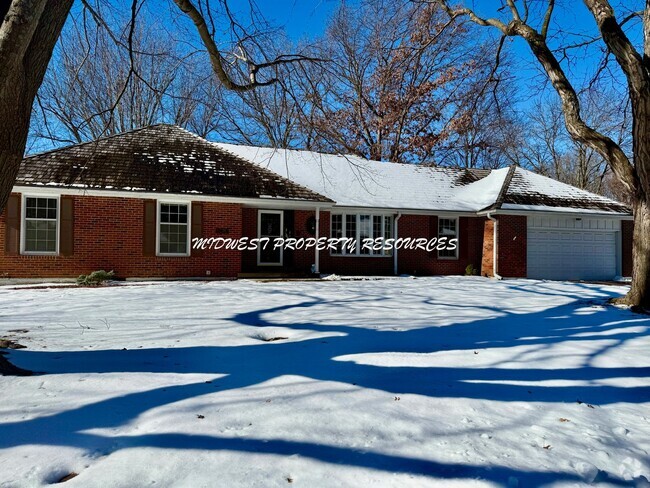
133 202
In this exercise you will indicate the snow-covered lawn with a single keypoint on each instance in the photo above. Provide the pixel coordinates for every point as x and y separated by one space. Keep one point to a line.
397 382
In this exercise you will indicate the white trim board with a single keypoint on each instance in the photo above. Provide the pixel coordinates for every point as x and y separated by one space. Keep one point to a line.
266 202
561 212
160 203
23 226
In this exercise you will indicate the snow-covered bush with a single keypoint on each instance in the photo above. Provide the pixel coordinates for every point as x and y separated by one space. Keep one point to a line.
95 278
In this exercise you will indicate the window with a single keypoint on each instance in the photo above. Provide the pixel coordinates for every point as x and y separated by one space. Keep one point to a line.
41 225
336 232
448 228
350 228
359 227
364 233
173 236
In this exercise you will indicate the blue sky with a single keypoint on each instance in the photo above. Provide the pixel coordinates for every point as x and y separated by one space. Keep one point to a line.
304 19
307 19
300 18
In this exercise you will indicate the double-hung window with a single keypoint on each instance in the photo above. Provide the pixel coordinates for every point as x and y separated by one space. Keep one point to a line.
358 229
448 228
41 217
173 231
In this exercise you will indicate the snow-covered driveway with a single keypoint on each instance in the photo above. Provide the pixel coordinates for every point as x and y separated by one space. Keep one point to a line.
396 382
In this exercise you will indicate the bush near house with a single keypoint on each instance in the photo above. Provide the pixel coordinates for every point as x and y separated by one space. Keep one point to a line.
95 278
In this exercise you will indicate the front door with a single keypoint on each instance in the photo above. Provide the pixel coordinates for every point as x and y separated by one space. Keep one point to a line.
270 224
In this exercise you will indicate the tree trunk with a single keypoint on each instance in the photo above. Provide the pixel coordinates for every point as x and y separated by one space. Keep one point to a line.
28 33
13 134
639 294
15 109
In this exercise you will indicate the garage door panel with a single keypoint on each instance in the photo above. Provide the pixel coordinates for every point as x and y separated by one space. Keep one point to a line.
564 254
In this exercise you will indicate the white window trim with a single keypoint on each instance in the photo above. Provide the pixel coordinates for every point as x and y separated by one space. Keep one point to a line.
259 234
456 254
23 225
357 253
160 203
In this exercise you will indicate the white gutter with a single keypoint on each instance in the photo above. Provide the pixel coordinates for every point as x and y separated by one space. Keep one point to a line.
404 210
495 245
395 267
261 202
316 252
561 212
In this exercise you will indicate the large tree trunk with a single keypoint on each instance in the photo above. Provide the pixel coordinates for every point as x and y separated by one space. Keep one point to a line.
28 33
15 112
639 294
10 156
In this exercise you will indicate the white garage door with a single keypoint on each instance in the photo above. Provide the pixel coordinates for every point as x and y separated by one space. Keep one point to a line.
570 249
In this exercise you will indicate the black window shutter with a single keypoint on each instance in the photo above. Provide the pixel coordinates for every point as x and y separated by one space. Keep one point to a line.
149 228
12 225
66 238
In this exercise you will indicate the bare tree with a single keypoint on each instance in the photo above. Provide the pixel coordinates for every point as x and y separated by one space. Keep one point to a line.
393 86
29 30
547 148
492 131
269 115
518 19
86 95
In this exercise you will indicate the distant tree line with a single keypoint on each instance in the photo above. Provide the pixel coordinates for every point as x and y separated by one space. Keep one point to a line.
391 81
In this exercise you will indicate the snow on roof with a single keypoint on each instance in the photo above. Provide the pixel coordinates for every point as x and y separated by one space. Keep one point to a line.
352 181
484 192
529 190
169 159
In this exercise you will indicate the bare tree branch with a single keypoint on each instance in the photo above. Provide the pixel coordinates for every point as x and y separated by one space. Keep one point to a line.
547 18
614 36
216 58
576 126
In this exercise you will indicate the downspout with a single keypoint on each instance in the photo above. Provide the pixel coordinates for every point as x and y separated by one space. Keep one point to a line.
495 246
316 252
395 267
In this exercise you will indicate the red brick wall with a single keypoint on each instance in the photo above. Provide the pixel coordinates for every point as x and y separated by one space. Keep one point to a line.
512 258
627 230
487 262
418 262
108 235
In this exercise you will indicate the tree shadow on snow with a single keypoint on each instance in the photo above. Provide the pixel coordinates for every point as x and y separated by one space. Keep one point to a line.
320 359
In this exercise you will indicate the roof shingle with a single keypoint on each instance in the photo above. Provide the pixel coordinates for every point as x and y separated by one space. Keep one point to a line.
162 159
528 189
168 159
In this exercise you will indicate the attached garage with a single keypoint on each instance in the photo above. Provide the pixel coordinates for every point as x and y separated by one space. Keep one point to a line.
570 248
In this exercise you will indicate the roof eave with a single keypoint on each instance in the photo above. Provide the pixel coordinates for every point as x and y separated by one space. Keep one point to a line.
117 193
566 211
